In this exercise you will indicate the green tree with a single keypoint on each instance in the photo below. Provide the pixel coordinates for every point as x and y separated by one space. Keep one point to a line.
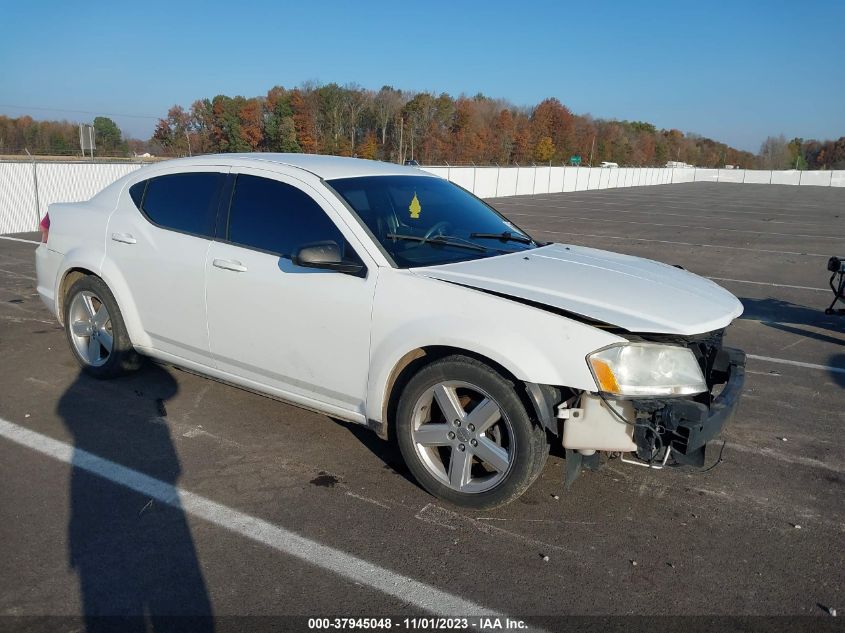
108 137
331 116
796 154
279 127
226 124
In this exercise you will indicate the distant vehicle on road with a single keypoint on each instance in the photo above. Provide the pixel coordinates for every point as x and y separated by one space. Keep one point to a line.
606 163
412 163
385 296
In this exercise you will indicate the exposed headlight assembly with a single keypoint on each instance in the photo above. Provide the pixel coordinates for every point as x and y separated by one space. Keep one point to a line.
646 369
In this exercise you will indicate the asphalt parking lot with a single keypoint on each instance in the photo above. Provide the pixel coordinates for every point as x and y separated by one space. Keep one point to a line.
761 533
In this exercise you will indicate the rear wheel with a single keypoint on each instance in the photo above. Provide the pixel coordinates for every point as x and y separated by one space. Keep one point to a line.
466 436
95 330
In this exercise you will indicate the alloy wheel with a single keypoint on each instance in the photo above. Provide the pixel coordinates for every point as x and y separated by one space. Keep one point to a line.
91 328
463 437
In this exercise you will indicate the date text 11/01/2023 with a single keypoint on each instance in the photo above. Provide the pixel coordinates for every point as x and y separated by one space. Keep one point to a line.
418 624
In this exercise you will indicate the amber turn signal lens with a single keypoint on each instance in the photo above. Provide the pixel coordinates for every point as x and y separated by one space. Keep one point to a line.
604 375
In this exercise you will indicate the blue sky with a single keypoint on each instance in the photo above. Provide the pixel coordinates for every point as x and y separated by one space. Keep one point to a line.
734 71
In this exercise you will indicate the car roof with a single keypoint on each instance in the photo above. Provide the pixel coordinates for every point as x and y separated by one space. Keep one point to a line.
326 167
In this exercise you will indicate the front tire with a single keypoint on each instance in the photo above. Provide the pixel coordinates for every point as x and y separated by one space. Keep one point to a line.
95 330
466 436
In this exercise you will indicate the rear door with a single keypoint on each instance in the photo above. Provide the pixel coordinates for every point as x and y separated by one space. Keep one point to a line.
301 333
158 237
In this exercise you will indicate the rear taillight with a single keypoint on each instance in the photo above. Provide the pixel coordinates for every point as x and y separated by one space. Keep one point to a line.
45 228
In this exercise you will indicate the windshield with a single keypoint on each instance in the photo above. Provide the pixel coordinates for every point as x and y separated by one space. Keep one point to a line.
425 221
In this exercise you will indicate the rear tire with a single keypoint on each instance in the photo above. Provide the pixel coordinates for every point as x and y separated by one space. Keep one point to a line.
466 436
96 332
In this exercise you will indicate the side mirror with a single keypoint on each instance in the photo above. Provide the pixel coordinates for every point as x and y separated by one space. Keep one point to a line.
324 255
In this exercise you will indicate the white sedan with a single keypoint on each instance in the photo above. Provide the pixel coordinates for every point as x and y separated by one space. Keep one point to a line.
383 295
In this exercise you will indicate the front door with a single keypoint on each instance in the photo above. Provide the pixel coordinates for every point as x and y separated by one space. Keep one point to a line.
301 333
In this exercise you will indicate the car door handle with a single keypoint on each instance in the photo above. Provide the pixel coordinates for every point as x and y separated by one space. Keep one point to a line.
230 264
124 238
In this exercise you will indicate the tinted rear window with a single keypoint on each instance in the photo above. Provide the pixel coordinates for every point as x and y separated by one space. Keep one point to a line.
184 202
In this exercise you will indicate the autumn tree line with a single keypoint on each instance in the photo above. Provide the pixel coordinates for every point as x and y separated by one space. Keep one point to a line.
395 125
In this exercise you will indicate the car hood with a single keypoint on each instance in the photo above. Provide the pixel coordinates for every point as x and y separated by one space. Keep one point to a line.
632 293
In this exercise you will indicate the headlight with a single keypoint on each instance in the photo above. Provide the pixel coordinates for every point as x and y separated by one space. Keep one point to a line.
647 369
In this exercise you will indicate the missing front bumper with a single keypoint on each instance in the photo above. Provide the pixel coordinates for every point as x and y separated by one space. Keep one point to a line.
686 425
653 429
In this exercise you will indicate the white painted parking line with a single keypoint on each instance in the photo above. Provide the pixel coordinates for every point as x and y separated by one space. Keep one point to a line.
18 239
641 239
350 567
18 275
767 283
796 363
790 459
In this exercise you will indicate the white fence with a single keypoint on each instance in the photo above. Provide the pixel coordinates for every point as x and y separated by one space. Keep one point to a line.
493 182
27 188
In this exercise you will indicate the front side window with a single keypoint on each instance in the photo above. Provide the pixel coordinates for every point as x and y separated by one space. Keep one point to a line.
425 221
272 216
182 202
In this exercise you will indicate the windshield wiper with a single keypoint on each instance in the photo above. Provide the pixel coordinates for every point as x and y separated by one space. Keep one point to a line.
506 236
439 239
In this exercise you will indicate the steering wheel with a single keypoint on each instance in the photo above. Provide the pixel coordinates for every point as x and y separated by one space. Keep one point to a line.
434 229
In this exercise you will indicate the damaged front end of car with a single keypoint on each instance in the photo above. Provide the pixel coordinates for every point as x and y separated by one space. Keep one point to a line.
683 426
661 398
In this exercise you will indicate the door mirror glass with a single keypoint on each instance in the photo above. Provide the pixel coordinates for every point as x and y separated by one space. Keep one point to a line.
326 255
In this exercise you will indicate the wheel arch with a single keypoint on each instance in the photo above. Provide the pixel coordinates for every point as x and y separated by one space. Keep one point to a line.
70 277
116 286
414 360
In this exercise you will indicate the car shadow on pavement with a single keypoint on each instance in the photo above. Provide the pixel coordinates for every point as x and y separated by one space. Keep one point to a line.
824 338
781 314
386 450
134 556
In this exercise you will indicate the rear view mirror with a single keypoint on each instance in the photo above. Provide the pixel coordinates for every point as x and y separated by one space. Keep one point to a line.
325 255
